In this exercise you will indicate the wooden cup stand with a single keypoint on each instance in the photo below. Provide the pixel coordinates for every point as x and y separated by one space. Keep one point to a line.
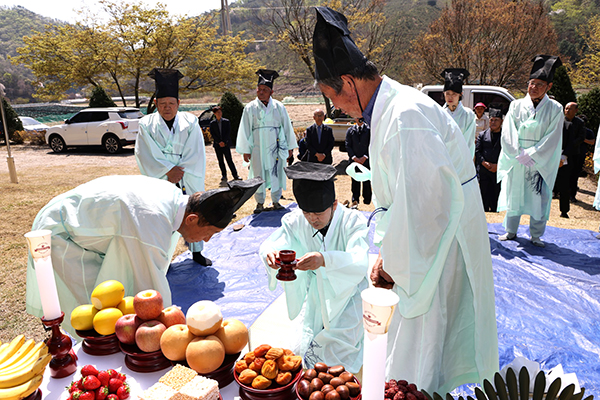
286 263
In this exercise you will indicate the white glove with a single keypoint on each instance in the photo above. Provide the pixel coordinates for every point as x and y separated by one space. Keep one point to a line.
525 159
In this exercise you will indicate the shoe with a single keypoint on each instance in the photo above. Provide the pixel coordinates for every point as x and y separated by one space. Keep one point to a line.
200 259
259 208
354 205
564 215
277 206
346 203
507 236
223 182
237 178
536 241
573 200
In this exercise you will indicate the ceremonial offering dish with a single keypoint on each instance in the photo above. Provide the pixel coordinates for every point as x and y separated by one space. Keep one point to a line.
328 383
140 361
96 344
274 392
286 263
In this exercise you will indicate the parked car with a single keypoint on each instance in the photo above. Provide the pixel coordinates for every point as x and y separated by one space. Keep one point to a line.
33 125
473 94
110 127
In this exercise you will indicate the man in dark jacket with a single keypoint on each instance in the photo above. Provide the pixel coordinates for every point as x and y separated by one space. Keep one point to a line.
220 129
319 140
357 146
487 151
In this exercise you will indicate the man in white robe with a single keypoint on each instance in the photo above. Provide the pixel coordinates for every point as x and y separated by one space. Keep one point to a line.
330 242
463 116
170 144
125 228
435 251
266 139
596 170
531 153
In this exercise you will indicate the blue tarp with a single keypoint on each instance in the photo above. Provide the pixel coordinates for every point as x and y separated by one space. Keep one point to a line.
547 299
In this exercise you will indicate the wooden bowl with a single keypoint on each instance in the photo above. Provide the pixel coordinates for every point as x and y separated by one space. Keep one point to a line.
141 361
359 397
96 344
274 392
37 395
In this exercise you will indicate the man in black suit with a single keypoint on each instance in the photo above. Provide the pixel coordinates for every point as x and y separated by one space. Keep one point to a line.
220 129
358 137
319 140
487 151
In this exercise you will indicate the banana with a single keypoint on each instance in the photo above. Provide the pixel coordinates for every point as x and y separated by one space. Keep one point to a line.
38 350
21 391
24 349
12 347
26 373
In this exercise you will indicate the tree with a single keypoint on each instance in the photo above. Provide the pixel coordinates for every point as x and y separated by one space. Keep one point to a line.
99 98
588 69
494 39
562 90
13 123
589 104
232 110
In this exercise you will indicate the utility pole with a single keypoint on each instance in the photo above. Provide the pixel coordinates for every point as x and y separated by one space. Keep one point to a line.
225 20
12 171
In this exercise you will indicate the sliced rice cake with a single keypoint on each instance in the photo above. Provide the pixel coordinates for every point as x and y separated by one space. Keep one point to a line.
199 388
159 391
178 376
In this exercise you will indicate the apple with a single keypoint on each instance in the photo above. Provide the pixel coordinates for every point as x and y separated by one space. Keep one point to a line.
172 315
174 341
126 326
148 304
204 318
147 335
233 334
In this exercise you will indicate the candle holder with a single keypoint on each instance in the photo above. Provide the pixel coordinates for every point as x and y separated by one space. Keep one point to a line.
64 360
286 263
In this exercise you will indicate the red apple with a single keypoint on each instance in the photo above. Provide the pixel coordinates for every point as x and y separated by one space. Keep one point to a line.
148 304
172 316
126 326
147 335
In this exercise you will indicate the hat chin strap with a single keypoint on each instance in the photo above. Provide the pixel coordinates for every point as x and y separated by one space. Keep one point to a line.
358 98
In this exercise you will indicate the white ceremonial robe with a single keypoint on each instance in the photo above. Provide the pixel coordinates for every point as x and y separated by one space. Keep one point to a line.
158 150
328 297
266 133
528 190
434 244
466 120
597 169
114 227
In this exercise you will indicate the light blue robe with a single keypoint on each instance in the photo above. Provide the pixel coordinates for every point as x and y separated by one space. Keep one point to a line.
434 244
114 227
158 150
266 133
466 120
539 132
597 169
328 298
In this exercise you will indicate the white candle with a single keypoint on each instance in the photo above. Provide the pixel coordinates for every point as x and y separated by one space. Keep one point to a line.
373 376
39 247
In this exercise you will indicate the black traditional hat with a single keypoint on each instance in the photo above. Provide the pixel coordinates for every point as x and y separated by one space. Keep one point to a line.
334 50
217 206
167 82
266 77
313 185
454 79
495 111
544 66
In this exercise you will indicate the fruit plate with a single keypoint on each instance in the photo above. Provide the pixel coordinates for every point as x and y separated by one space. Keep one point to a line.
141 361
223 374
96 344
275 392
359 397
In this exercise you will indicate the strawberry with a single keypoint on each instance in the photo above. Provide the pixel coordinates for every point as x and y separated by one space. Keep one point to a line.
121 376
75 393
114 384
72 387
112 397
102 392
79 384
103 377
87 396
90 382
88 370
112 373
123 392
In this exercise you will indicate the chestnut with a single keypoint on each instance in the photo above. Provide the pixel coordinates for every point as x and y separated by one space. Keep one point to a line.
318 395
354 388
347 376
336 370
316 384
333 395
321 367
343 391
304 389
325 377
310 374
337 381
327 388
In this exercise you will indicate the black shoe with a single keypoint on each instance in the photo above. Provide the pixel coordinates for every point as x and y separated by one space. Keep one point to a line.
564 215
573 200
200 259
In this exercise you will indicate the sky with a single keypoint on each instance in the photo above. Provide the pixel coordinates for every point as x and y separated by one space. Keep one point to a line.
64 10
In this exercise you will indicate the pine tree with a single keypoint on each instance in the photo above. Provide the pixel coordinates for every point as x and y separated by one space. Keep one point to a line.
99 98
589 104
562 90
232 110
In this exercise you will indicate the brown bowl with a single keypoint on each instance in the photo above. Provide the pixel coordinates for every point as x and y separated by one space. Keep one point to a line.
274 392
359 397
96 344
223 374
141 361
37 395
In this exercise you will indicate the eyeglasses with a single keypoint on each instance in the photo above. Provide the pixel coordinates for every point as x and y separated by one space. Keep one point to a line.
537 85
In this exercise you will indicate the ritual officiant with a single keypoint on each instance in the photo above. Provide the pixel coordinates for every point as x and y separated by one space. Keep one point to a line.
330 242
464 116
431 228
170 144
126 228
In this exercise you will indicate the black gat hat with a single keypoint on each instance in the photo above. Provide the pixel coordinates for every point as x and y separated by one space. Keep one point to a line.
544 66
454 78
167 82
313 185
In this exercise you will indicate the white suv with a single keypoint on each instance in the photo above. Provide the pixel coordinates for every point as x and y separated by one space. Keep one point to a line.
110 127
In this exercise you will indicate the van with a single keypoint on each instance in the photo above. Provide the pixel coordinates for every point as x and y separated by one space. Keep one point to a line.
473 94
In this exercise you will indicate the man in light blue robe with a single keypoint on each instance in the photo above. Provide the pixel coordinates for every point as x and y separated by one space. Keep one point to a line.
330 242
266 139
531 153
435 251
125 228
170 144
464 117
